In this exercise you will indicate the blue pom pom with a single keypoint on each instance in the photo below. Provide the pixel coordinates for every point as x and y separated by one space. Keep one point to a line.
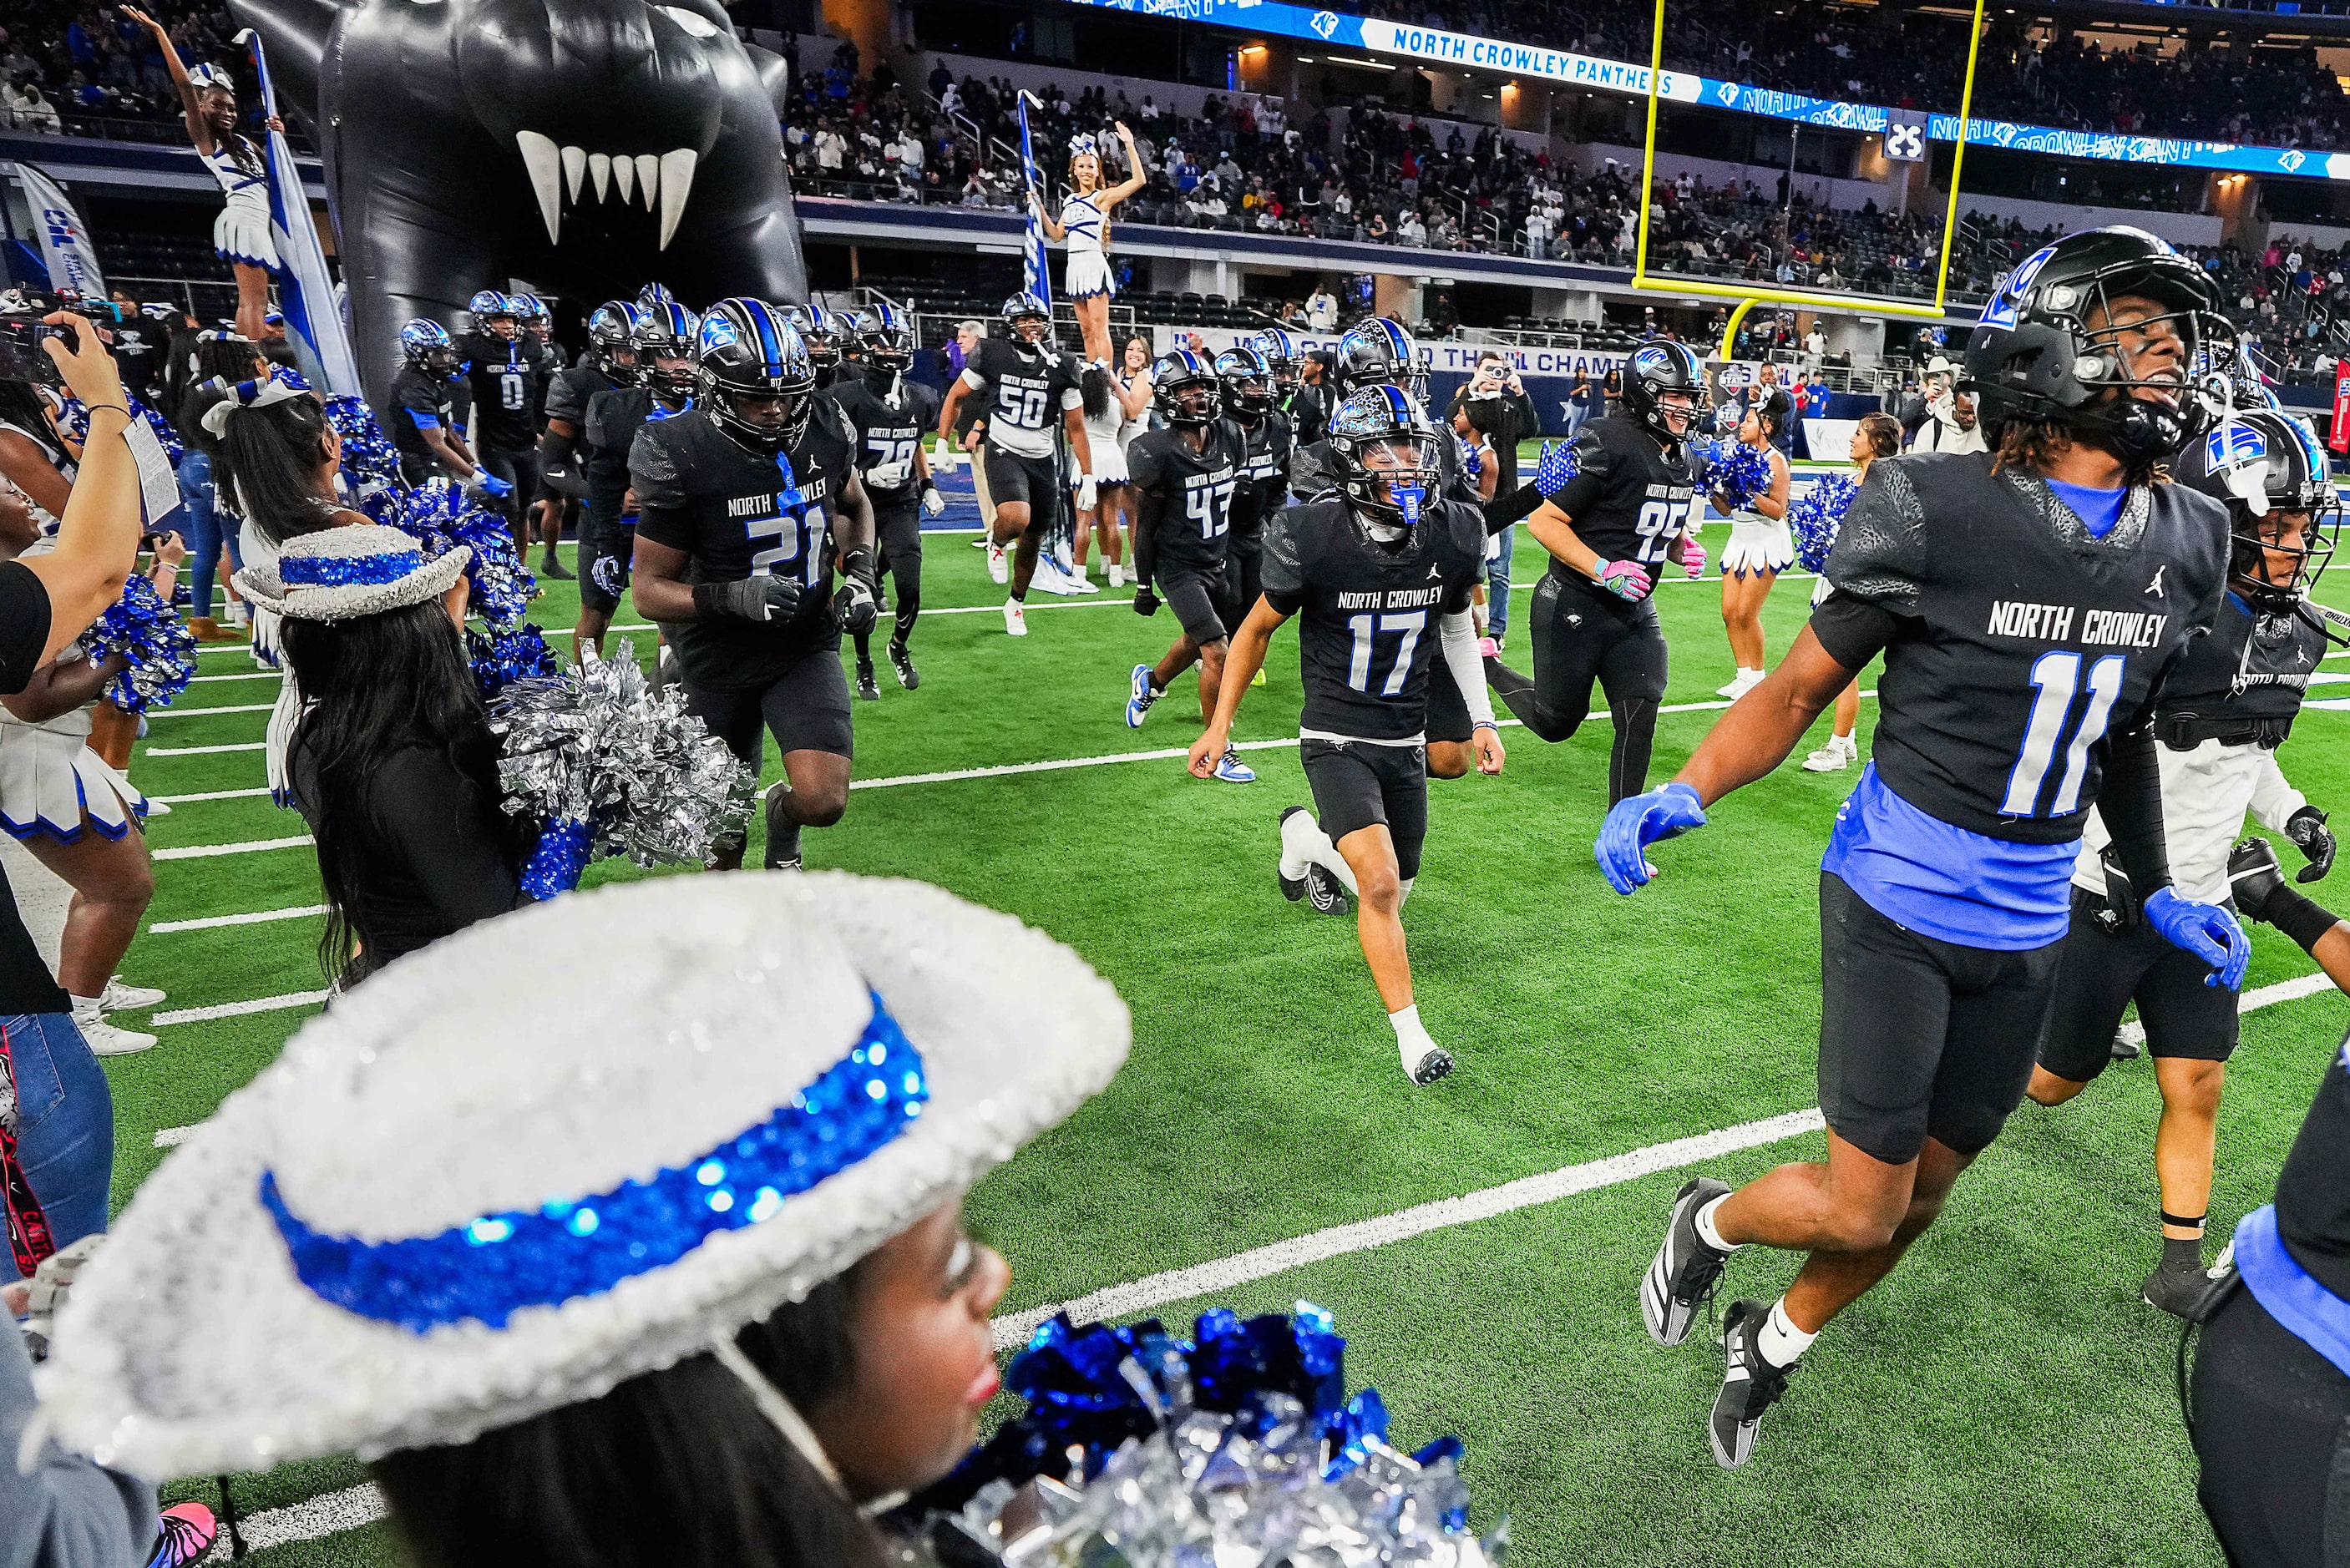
1558 465
74 419
287 376
501 658
369 457
439 517
1472 462
161 653
1814 517
556 865
1737 473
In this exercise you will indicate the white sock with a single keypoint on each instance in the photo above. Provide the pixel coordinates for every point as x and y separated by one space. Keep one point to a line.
1302 840
1779 1340
85 1009
1706 1233
1412 1040
1403 892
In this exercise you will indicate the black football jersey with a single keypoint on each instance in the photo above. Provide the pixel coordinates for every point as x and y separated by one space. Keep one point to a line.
739 515
504 380
1628 500
1367 626
1307 408
2250 673
1028 388
2022 642
1190 493
886 435
568 391
412 393
608 433
1264 476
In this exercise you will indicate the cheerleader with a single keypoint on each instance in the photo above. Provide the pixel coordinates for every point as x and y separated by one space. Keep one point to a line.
1760 548
77 816
1878 435
241 234
1124 407
1084 223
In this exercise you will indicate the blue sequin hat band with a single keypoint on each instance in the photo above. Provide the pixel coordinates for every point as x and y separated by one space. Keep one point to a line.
493 1266
338 574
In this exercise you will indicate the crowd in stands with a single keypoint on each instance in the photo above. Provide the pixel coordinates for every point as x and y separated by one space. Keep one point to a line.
62 69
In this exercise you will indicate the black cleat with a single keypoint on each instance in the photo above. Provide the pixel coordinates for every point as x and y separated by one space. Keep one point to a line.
902 662
1749 1385
1686 1271
2125 1049
1432 1067
1324 892
783 834
551 566
2181 1293
868 689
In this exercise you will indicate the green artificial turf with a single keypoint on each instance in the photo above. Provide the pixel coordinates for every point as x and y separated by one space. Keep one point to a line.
2002 1399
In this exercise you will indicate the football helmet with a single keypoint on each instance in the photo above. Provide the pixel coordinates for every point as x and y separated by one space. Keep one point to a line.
2134 387
753 375
815 325
1184 390
1384 450
425 344
885 343
1247 384
489 306
2261 465
1663 385
1378 351
609 328
666 331
1281 355
1029 318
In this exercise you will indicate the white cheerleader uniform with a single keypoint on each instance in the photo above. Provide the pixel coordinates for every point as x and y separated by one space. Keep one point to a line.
49 778
1088 276
1106 439
1757 545
241 234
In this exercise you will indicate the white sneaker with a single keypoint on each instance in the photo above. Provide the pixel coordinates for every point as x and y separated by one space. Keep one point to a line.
1086 585
1742 682
1015 620
122 997
1840 753
998 570
106 1039
1117 575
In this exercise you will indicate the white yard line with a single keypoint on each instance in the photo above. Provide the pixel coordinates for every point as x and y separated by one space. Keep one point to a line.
209 794
204 751
251 675
213 923
355 1506
238 1008
205 851
201 712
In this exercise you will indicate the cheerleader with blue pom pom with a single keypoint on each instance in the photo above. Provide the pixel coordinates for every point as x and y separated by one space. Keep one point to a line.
1815 520
1747 483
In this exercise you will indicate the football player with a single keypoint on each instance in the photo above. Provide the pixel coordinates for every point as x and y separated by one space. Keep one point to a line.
816 327
1296 399
660 386
889 415
745 503
2029 602
609 361
1246 382
1609 529
1370 568
422 421
501 373
1184 474
1033 385
2219 719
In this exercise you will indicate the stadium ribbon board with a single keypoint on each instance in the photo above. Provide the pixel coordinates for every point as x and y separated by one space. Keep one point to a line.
1824 299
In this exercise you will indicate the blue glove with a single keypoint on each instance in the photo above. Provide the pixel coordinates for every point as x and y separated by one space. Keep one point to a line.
1637 820
494 486
2207 930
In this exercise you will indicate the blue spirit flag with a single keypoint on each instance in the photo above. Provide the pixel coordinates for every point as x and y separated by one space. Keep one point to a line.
306 290
1035 277
66 246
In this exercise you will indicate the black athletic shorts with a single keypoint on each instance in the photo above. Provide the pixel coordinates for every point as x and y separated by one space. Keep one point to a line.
1447 715
1206 599
416 467
2103 970
2272 1431
1922 1038
519 469
900 531
1015 480
1357 784
1247 557
1583 634
608 549
806 709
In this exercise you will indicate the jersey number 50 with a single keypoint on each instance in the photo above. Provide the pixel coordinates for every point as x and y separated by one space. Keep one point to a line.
2057 677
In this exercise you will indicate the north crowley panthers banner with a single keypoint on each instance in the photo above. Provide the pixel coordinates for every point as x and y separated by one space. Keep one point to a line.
1437 46
306 289
65 244
1037 277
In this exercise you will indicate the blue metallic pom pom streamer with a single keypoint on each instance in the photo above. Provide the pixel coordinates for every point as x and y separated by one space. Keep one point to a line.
161 653
1816 516
1737 473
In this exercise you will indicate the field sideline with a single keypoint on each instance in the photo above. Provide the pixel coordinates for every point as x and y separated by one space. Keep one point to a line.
2003 1399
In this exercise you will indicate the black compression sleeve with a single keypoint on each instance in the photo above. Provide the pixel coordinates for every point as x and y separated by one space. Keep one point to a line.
1514 507
1148 505
1853 630
2130 800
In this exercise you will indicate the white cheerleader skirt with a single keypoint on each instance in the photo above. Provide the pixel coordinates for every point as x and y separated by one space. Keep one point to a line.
1088 276
1109 458
241 233
1821 589
1757 545
52 785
